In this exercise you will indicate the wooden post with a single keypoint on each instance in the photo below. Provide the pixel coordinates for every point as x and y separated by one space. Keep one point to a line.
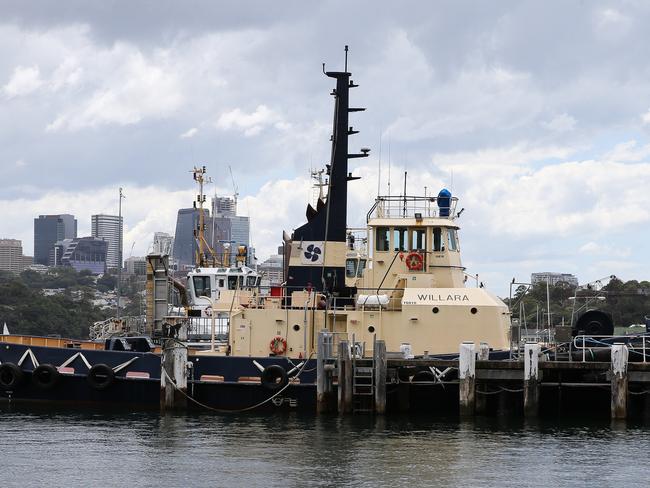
380 377
173 376
321 374
467 378
345 378
619 381
531 379
480 403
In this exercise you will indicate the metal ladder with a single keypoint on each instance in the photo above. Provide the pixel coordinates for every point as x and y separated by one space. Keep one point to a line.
363 385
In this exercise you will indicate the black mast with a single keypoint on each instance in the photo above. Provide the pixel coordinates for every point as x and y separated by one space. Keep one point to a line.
328 222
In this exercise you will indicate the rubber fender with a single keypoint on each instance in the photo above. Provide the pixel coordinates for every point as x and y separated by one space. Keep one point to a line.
45 376
11 376
274 377
100 376
594 322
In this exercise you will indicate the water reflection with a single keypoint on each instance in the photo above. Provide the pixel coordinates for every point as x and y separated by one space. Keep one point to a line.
147 449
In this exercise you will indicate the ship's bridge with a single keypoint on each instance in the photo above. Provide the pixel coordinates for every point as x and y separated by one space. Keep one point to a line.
413 241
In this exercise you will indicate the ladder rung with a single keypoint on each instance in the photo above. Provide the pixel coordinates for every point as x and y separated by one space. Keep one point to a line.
363 370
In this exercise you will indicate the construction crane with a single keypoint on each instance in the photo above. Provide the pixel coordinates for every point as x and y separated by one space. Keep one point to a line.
234 186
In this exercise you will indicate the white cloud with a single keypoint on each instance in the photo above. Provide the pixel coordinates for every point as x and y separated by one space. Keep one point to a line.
136 88
628 151
250 123
188 134
25 80
560 123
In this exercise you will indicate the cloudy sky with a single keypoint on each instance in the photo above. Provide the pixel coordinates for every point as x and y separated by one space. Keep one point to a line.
535 114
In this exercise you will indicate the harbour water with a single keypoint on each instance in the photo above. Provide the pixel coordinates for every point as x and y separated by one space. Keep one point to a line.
45 448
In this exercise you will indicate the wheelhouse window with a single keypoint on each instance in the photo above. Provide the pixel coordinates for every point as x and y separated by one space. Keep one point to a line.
351 267
400 235
362 266
382 239
221 282
453 239
250 281
201 286
418 240
437 240
232 282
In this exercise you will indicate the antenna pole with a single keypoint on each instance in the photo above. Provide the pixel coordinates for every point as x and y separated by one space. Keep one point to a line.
120 230
379 170
346 58
405 173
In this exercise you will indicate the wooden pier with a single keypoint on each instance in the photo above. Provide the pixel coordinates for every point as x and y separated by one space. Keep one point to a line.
470 385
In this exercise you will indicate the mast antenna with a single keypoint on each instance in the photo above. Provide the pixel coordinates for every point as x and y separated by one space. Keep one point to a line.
405 173
346 58
379 169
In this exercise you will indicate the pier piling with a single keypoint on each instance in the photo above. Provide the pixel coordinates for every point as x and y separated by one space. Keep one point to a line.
480 403
467 378
345 378
323 371
619 381
380 377
173 378
531 379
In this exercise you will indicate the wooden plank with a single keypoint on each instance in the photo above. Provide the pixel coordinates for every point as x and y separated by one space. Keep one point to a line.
380 377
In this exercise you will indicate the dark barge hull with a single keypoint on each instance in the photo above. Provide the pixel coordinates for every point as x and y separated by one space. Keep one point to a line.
131 390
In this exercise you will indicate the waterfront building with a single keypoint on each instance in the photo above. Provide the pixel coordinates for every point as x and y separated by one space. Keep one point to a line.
111 229
83 253
48 229
553 278
272 270
11 255
136 266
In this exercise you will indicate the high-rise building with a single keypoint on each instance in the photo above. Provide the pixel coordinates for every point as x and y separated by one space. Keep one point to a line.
224 207
110 228
238 230
48 229
554 278
271 270
136 266
11 255
184 240
83 253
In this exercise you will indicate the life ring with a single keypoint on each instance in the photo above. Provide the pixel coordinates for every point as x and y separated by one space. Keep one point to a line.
100 376
45 376
11 376
208 311
274 377
278 345
414 261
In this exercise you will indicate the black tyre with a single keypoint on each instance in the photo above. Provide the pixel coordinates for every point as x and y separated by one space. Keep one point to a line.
100 376
45 376
11 376
274 377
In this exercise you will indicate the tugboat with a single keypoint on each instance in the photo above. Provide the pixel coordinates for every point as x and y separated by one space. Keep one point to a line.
399 280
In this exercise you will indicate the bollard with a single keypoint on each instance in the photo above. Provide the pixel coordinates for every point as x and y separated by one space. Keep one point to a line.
345 378
380 377
619 381
480 403
466 378
173 376
531 379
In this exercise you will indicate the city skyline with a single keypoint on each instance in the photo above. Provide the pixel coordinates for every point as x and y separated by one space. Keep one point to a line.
542 132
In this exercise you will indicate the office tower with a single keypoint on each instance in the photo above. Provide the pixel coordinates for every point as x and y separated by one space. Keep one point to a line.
83 253
237 230
11 255
110 228
48 229
185 245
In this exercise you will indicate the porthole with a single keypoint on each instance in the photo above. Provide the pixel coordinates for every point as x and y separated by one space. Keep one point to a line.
296 327
371 328
473 310
435 310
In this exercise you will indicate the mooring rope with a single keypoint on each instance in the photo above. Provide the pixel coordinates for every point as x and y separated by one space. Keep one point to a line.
239 410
